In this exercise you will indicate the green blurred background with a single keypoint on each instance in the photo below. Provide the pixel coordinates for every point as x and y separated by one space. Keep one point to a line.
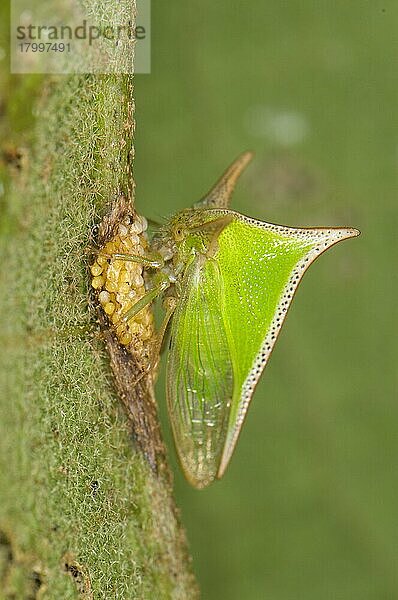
308 508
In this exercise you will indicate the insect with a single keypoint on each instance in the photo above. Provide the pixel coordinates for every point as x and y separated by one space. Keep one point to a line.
227 281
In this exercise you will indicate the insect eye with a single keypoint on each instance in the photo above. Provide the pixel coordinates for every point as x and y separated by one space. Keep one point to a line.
179 234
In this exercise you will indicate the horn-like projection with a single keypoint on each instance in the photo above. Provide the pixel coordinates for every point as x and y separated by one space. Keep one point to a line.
220 195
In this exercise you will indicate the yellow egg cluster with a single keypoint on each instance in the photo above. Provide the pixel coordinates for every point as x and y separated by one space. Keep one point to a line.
120 283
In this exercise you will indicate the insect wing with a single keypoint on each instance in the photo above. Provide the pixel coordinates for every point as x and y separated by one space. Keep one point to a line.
260 266
199 373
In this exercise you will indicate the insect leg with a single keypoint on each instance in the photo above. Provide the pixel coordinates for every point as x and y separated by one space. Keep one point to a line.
155 262
169 304
147 299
